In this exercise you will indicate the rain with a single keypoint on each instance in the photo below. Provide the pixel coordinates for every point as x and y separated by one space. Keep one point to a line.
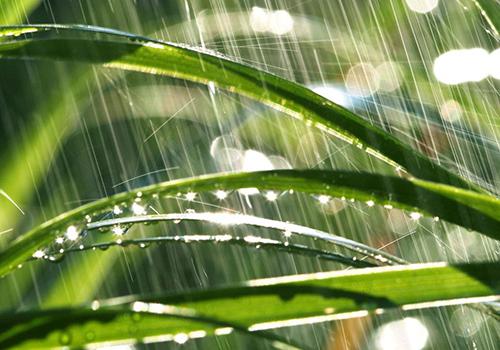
74 132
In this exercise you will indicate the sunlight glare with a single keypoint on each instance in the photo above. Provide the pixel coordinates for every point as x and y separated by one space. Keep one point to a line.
451 111
494 64
408 333
333 94
72 233
461 66
277 22
422 6
362 80
254 161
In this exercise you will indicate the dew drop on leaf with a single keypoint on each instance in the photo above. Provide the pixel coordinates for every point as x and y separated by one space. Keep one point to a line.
65 338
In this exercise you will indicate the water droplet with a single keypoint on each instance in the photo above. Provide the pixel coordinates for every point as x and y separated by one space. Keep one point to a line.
72 233
197 334
415 215
221 195
190 196
271 196
223 331
57 258
181 338
117 210
38 254
65 338
323 199
211 87
138 209
222 238
118 230
381 258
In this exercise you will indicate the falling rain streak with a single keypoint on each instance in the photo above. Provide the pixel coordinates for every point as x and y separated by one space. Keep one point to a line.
425 71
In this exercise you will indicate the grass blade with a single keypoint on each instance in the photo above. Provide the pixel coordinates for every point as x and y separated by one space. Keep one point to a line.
239 219
255 242
180 61
268 304
476 211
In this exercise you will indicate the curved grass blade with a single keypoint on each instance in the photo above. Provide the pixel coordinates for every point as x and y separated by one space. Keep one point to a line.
247 241
240 219
257 305
89 278
468 209
180 61
152 315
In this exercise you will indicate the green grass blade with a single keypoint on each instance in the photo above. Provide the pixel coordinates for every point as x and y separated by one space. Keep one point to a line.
257 305
83 272
468 209
240 219
255 242
183 319
180 61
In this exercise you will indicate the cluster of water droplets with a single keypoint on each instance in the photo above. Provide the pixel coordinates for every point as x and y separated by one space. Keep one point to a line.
139 310
118 220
